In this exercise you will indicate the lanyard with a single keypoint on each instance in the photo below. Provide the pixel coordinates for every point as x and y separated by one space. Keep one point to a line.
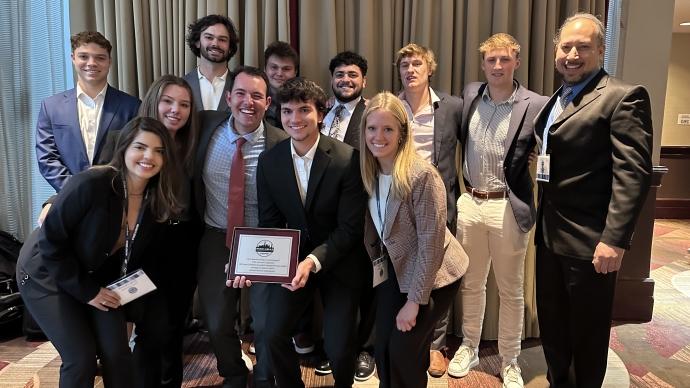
129 240
378 209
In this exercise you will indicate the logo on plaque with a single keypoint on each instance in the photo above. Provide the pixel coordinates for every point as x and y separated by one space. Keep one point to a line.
264 248
132 290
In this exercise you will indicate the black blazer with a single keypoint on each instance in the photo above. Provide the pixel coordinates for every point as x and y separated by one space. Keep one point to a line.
210 121
73 248
353 127
447 122
518 145
192 79
332 218
601 166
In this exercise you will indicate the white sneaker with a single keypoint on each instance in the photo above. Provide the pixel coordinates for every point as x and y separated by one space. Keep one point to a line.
247 361
465 358
512 376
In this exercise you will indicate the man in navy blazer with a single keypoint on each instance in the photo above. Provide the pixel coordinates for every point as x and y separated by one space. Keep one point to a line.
595 136
497 212
72 125
213 39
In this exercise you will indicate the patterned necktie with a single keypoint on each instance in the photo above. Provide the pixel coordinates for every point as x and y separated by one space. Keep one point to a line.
334 130
236 192
565 95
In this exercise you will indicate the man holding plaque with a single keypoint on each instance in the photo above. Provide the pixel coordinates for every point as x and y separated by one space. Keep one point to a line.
312 183
229 147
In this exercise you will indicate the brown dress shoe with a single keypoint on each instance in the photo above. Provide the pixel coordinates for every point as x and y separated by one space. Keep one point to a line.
437 365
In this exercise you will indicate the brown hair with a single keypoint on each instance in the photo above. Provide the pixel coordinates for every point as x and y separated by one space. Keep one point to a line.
85 37
500 40
413 49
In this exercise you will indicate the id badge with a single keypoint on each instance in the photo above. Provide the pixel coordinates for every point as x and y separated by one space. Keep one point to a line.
380 270
543 168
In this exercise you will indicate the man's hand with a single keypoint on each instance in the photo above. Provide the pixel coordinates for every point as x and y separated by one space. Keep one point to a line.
238 282
407 316
303 270
105 300
607 258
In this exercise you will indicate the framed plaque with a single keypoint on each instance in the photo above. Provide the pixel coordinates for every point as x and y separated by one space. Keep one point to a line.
264 255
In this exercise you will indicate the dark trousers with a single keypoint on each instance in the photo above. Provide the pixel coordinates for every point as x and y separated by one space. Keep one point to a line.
403 358
285 309
574 304
150 317
259 298
367 318
80 333
219 307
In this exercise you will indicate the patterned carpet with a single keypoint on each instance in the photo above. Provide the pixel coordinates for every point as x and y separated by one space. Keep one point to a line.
655 354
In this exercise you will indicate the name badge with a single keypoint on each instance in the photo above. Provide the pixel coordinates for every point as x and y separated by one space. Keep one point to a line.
543 168
380 270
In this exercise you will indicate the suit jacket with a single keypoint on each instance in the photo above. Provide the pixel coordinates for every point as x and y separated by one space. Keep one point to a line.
424 253
192 79
447 122
353 127
600 149
60 148
519 143
72 251
210 122
331 220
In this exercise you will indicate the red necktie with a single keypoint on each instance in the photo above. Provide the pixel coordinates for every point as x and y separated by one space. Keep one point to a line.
236 192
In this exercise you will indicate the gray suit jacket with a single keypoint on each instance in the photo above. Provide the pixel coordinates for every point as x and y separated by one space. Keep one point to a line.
518 144
425 254
210 121
192 79
601 166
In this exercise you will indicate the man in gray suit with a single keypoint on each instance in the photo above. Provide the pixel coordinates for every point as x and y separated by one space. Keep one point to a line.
496 213
221 135
213 39
594 169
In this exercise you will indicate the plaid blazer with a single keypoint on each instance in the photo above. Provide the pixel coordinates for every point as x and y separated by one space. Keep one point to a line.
424 253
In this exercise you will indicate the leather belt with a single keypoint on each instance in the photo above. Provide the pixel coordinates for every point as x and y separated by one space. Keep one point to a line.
214 229
486 194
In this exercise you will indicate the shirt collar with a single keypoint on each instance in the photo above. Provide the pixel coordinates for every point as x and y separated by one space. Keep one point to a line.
222 77
310 154
101 94
487 97
577 88
349 106
434 99
251 137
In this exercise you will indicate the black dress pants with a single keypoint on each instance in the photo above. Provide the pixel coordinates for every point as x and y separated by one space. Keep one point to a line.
574 305
219 307
284 310
403 358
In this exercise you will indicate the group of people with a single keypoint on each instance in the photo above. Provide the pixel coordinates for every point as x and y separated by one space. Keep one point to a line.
388 238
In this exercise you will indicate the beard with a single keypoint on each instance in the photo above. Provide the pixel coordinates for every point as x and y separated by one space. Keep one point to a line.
222 59
345 99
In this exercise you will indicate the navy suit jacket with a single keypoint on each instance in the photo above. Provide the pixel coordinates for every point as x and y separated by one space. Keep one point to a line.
192 79
518 145
60 148
601 167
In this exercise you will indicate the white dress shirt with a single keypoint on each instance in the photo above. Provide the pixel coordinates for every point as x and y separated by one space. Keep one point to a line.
422 126
344 119
90 111
211 91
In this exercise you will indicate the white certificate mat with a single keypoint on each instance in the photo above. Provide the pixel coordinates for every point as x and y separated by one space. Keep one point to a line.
132 286
262 257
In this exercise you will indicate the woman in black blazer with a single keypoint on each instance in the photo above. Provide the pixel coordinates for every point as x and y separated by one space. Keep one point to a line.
97 230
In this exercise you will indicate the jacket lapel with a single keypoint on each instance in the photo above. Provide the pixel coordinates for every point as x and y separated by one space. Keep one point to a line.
516 117
110 106
72 111
352 132
322 159
223 104
584 98
391 212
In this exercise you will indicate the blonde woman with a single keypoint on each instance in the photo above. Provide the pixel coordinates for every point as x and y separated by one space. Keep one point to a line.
417 261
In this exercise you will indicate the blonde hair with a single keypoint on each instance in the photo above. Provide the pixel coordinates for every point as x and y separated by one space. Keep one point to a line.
413 49
500 40
405 155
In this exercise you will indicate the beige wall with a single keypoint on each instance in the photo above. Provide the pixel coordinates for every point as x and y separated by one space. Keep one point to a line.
677 92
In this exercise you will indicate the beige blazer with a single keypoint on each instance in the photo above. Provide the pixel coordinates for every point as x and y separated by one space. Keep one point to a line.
424 253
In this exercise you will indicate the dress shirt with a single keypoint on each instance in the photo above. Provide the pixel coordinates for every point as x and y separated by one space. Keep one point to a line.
486 142
211 91
302 166
344 119
90 110
422 125
216 173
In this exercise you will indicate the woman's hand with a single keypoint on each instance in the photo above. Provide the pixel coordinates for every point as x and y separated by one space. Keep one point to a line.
105 300
407 316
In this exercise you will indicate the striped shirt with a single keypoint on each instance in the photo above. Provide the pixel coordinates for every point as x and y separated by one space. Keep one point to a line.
216 175
486 142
